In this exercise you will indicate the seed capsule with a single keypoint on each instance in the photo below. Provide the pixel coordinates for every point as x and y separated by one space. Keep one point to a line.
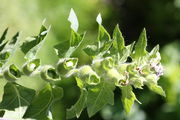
49 74
31 66
67 64
12 73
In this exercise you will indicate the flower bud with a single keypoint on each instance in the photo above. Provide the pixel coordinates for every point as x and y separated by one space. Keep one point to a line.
137 81
49 73
12 73
107 63
31 66
86 73
152 78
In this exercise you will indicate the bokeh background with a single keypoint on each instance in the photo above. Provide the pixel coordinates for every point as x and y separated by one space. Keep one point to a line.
161 18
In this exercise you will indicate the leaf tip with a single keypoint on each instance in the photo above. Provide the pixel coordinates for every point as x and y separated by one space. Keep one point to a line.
44 21
73 20
99 19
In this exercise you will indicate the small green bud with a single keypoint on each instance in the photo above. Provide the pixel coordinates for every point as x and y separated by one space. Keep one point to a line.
137 82
123 67
119 78
31 66
12 73
49 74
86 73
108 63
93 79
152 78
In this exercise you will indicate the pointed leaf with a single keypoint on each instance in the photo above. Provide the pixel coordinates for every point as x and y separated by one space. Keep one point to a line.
78 107
126 52
118 39
154 51
99 96
73 20
91 50
99 19
140 48
65 49
76 39
102 46
30 47
128 98
8 48
16 96
3 37
40 106
62 48
2 46
156 88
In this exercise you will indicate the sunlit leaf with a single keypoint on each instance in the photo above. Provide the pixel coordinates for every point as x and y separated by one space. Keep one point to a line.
73 20
99 96
128 98
40 106
31 46
140 47
16 96
78 107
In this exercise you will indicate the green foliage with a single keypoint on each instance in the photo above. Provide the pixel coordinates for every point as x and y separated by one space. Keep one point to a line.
75 110
16 96
40 106
97 81
128 98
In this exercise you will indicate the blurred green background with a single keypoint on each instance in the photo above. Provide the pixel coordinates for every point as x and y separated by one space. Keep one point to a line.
161 18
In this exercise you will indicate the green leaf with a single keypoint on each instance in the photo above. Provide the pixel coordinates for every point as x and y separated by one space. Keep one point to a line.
66 49
156 88
78 107
14 39
99 96
16 96
104 39
118 39
8 48
140 47
126 52
154 51
3 37
102 45
128 98
2 46
75 39
91 50
40 106
31 46
62 48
